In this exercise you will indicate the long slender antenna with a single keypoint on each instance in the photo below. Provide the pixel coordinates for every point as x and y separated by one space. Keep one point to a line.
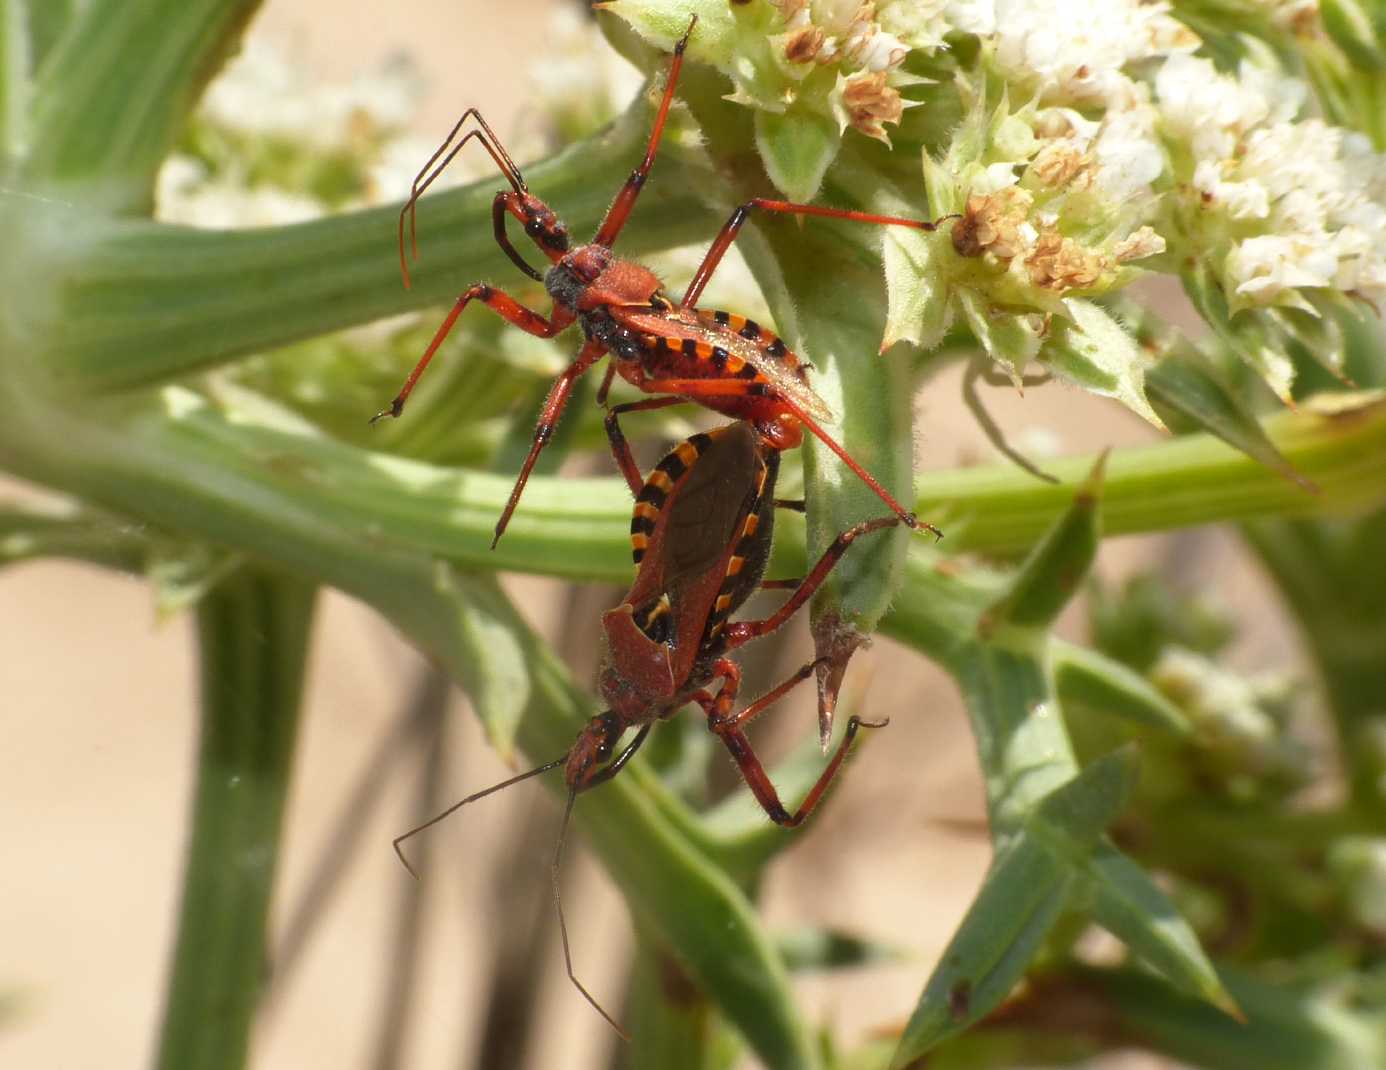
398 840
563 925
424 178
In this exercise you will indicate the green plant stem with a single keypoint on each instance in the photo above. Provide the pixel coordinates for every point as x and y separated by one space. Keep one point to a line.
106 145
672 1021
253 633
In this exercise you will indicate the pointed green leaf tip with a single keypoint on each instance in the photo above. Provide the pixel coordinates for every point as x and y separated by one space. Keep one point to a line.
1130 905
1025 890
796 148
1187 393
1092 350
1056 566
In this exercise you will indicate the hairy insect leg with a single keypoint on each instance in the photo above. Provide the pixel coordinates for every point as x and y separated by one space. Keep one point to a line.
728 730
743 631
504 306
620 209
707 388
620 448
589 354
727 234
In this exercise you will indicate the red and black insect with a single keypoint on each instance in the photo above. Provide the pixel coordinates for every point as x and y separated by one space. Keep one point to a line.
700 536
724 362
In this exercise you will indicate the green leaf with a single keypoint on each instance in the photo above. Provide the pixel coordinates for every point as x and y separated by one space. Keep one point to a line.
1130 906
1073 816
16 65
1245 335
497 678
916 291
1052 573
1023 894
1288 1027
1356 28
1187 393
1012 339
1028 885
1089 679
796 148
1092 350
83 535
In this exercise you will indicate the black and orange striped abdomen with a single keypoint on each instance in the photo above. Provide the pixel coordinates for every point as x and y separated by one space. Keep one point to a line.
700 537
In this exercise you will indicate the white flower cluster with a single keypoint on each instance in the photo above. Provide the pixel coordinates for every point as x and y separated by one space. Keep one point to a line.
263 99
1303 203
863 42
1076 51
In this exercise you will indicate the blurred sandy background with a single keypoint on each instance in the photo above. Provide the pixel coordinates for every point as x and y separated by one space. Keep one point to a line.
100 733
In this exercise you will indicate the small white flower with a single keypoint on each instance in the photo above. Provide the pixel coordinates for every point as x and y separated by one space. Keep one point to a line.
1263 268
1075 50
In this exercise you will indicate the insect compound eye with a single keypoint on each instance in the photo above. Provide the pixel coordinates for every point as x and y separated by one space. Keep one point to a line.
534 228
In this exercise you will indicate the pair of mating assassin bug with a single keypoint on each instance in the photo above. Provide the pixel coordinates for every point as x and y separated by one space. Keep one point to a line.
703 519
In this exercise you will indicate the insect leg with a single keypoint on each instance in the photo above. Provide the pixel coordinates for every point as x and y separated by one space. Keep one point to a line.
727 234
591 352
743 631
504 306
707 388
620 449
728 730
620 209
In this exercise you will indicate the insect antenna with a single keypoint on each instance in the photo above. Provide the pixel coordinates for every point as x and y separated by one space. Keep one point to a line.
429 173
399 840
562 923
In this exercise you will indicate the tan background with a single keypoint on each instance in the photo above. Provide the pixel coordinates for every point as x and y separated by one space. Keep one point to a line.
100 732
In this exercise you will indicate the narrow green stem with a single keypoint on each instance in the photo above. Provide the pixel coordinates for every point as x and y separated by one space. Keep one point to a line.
675 1026
1172 484
253 634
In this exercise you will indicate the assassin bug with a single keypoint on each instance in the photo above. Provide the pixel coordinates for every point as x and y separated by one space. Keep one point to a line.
727 363
700 537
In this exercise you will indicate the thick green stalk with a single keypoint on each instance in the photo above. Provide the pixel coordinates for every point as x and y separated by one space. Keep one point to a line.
98 303
253 634
117 89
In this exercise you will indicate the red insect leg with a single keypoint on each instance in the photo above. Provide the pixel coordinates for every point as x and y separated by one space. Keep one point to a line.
590 353
743 631
504 306
728 730
620 209
706 388
620 448
727 234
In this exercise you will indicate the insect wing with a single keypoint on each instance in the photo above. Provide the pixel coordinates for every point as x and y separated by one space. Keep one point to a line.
783 378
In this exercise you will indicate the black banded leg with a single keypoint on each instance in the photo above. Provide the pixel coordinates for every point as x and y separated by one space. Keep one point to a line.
500 303
620 448
744 631
590 353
